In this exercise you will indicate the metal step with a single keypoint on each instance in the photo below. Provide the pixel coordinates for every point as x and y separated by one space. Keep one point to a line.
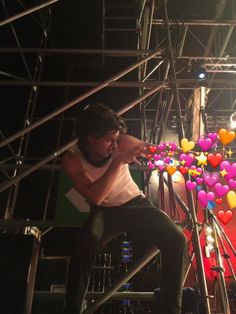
147 296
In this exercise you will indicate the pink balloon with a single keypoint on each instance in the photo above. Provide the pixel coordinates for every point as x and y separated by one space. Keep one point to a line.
199 180
230 169
225 164
232 184
212 136
231 172
166 160
191 185
204 197
211 178
157 157
161 167
173 146
205 143
199 170
220 189
188 158
161 146
150 165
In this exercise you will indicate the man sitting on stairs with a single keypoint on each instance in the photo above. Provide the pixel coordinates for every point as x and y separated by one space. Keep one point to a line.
99 169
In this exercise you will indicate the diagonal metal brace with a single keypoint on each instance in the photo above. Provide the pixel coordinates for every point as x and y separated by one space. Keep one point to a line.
124 278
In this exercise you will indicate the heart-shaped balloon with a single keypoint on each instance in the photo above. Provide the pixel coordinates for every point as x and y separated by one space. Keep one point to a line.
150 165
219 201
194 171
199 180
225 164
230 169
187 145
161 167
214 159
183 170
166 160
153 149
157 157
212 136
205 143
225 216
232 184
171 169
187 159
220 189
161 146
204 197
210 178
173 146
231 199
190 185
226 137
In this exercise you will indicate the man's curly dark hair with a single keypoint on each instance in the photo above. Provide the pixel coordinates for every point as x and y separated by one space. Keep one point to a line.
97 120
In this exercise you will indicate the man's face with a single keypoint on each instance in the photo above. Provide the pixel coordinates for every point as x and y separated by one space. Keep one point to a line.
102 147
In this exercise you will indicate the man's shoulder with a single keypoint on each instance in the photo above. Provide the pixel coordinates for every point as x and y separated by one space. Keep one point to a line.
71 157
71 153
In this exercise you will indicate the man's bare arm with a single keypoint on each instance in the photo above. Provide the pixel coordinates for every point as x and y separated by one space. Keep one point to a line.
96 191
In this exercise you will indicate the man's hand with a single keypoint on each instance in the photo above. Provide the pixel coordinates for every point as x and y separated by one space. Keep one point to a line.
131 154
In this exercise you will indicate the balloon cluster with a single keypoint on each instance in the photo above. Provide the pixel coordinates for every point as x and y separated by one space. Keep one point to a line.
205 170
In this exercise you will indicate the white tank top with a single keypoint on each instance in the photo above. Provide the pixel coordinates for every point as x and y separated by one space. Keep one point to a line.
123 188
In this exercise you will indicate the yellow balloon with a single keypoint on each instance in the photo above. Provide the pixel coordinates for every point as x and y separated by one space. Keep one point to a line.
231 199
187 145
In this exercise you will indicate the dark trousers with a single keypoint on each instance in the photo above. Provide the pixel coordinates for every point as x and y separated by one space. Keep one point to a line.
137 216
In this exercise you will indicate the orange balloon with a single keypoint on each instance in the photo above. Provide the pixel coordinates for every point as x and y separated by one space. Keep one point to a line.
171 169
225 136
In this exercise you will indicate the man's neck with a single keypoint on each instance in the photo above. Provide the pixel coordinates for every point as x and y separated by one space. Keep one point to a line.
94 162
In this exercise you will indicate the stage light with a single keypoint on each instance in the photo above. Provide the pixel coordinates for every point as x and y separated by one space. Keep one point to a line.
201 73
199 70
